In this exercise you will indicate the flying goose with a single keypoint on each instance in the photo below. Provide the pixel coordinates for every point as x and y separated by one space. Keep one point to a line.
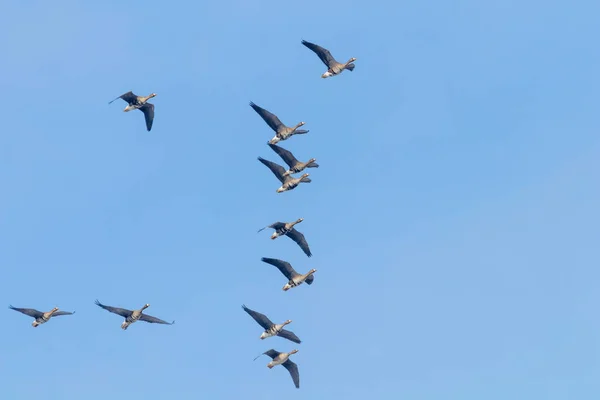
295 279
288 182
282 132
41 317
295 165
270 328
287 228
284 359
335 68
132 316
139 103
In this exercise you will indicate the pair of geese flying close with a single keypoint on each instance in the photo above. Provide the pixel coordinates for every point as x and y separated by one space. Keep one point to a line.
130 316
272 329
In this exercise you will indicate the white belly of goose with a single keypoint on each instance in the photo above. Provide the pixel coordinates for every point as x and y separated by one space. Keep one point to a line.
272 331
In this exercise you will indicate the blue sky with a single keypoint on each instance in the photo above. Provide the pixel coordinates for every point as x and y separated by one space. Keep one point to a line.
453 221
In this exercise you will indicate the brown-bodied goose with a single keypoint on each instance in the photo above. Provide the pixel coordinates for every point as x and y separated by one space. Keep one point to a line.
282 132
41 317
270 328
139 103
132 316
288 182
295 279
284 359
335 68
295 165
287 228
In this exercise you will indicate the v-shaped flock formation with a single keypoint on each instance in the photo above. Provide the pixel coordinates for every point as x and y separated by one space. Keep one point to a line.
288 182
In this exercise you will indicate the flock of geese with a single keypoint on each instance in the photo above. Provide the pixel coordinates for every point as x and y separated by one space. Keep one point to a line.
288 182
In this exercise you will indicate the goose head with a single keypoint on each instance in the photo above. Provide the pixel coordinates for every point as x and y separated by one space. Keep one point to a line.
298 221
289 321
151 95
293 352
145 306
312 271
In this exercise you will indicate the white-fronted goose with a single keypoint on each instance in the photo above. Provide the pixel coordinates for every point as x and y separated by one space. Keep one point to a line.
288 182
282 132
335 68
270 328
139 103
133 316
295 279
295 165
287 228
41 317
284 359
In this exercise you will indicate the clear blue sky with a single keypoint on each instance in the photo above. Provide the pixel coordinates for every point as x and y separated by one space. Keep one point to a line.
454 219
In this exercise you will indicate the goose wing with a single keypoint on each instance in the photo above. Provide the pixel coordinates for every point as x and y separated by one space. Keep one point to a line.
154 320
258 317
272 353
148 110
276 169
293 368
289 335
323 54
300 240
270 118
275 225
129 97
59 313
285 155
283 266
310 280
123 312
28 311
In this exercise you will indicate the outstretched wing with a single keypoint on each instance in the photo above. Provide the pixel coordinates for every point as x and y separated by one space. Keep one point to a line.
272 353
300 240
129 97
293 368
28 311
276 169
270 118
275 225
258 317
285 155
283 266
323 54
59 313
123 312
154 320
148 110
289 335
